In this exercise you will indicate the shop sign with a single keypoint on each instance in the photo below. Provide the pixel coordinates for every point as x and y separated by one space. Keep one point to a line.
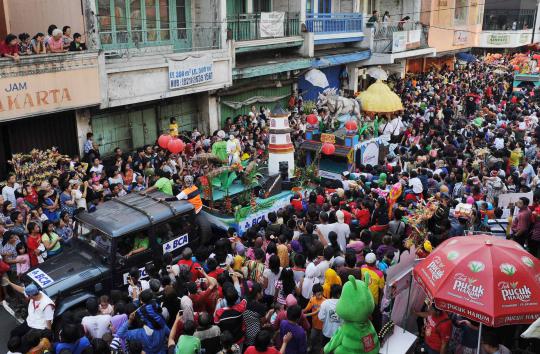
190 71
399 41
328 138
461 37
48 92
272 24
498 39
525 38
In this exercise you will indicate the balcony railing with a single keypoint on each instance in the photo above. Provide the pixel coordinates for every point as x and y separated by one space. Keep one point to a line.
247 27
322 23
172 40
508 19
414 34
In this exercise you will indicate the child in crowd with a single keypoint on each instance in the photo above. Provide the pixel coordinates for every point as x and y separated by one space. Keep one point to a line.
105 308
312 310
77 45
22 259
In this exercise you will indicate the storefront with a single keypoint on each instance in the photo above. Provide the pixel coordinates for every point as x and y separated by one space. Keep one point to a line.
135 126
243 95
39 102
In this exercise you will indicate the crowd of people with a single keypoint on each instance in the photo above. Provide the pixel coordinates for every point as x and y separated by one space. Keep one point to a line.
55 41
463 137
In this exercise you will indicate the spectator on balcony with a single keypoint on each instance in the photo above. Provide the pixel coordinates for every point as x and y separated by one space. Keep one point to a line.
373 19
385 21
55 43
66 37
401 24
38 44
49 33
25 46
76 45
10 47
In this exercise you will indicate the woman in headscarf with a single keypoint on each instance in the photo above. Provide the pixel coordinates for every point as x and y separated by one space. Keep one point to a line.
311 278
330 278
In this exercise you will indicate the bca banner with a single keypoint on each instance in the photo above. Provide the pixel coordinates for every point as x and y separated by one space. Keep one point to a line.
272 24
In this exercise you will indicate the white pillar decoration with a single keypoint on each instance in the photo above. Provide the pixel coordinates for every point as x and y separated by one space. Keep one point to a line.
280 148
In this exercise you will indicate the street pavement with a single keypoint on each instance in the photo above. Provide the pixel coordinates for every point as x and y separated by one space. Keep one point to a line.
7 323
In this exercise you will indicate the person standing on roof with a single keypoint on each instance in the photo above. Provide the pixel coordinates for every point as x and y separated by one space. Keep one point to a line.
191 193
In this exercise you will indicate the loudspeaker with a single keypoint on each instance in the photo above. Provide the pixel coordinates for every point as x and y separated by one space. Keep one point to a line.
284 170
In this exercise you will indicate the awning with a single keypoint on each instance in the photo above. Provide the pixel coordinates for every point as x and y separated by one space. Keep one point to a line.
310 145
338 59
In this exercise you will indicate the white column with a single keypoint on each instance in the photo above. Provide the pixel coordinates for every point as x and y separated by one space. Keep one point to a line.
249 7
82 120
315 8
222 16
303 11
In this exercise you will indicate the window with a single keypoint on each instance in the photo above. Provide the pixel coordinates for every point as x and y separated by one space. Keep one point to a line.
132 22
309 6
325 6
461 11
261 6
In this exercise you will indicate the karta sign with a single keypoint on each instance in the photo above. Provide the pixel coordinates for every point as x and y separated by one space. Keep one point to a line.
23 96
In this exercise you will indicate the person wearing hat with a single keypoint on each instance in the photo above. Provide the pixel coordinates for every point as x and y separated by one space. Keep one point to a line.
376 285
191 193
342 229
40 310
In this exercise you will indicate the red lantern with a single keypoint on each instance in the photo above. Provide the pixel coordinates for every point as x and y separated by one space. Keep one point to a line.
176 146
536 56
328 149
163 140
516 68
351 126
312 119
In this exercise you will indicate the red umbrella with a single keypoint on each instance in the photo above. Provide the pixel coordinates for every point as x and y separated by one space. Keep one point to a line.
490 280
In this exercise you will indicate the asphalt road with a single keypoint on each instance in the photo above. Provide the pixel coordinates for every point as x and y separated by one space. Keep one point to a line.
7 323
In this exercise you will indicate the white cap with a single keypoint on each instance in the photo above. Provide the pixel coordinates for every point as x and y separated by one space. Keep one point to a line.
340 216
371 258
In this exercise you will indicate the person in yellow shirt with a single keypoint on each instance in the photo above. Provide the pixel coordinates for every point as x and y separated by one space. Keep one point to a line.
376 285
312 309
516 154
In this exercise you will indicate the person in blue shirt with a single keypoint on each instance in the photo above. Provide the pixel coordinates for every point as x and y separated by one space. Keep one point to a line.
151 331
71 338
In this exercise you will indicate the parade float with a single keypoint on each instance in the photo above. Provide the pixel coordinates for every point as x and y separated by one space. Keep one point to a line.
240 194
525 71
345 137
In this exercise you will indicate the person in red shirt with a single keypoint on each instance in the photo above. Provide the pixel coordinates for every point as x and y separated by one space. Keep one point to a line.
193 267
438 329
262 344
10 48
363 216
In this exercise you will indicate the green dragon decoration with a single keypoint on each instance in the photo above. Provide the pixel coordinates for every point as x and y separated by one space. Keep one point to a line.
356 335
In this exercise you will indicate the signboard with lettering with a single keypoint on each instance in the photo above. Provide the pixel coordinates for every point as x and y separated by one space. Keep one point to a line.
498 39
190 71
176 243
68 85
40 277
272 24
461 37
399 41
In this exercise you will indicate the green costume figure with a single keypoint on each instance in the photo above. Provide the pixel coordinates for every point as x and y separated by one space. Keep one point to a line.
356 335
219 148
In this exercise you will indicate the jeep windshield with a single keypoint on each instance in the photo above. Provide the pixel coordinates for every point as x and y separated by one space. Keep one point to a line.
95 239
